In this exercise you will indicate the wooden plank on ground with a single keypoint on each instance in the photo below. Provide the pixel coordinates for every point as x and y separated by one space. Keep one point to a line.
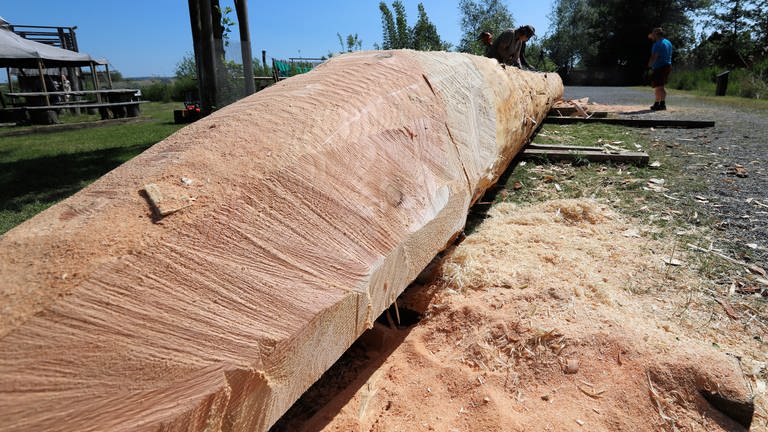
660 123
562 147
637 158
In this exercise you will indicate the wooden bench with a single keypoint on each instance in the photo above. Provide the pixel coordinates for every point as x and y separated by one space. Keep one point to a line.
42 110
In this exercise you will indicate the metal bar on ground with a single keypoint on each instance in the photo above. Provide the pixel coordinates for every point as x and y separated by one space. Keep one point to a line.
667 123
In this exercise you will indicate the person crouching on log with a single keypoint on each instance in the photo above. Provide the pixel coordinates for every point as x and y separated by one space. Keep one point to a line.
509 46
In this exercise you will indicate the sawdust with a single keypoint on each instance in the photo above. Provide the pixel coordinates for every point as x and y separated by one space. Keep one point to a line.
548 318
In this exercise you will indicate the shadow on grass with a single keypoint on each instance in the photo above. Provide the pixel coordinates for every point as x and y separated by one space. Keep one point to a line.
46 180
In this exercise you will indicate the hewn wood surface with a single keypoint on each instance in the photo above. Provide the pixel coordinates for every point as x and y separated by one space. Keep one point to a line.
314 203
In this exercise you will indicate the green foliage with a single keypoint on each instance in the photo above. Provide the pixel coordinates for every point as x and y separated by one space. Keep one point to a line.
225 22
353 42
401 24
698 79
738 31
425 37
157 91
573 37
747 84
742 82
394 26
479 16
116 75
606 34
536 56
397 34
186 68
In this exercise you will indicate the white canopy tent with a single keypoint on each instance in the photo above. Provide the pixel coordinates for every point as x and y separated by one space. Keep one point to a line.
15 51
21 56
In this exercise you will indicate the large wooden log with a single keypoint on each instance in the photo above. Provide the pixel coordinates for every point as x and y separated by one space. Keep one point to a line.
305 209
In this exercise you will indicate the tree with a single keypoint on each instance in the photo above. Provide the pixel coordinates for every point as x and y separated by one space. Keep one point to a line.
394 26
611 34
425 37
759 16
479 16
186 68
572 36
732 39
353 42
397 34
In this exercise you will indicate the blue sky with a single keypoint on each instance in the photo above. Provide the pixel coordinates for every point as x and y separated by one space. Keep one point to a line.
149 37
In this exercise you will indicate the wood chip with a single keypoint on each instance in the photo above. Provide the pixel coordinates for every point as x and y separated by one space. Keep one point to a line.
728 309
595 395
673 262
571 366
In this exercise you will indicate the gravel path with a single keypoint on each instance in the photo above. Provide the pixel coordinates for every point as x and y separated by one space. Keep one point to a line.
739 137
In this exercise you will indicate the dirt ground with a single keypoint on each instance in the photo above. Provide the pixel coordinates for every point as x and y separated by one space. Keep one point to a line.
567 315
553 317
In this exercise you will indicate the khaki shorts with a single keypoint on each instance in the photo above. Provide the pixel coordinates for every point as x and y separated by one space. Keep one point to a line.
660 76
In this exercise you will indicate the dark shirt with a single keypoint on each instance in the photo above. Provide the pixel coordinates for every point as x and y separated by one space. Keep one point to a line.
507 48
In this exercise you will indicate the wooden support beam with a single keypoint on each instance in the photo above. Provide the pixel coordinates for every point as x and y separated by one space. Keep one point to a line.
562 147
208 74
241 7
109 76
660 123
42 82
637 158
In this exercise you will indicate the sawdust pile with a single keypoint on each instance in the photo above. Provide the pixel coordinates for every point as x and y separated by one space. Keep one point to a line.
549 318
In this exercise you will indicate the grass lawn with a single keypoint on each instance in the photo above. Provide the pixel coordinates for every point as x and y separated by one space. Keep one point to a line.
38 170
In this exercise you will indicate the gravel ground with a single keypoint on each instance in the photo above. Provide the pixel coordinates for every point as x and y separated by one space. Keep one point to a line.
740 137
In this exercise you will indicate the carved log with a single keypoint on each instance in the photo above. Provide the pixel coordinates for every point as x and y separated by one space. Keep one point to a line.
299 214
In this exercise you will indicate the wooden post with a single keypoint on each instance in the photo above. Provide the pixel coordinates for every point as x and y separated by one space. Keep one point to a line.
264 59
42 80
194 19
109 76
95 81
207 79
241 7
10 80
74 39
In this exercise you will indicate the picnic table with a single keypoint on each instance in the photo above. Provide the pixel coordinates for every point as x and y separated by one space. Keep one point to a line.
43 106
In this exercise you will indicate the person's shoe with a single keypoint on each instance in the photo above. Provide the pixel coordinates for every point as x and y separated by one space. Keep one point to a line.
655 106
662 106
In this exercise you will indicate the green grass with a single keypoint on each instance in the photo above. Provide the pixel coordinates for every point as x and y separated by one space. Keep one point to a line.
38 170
623 186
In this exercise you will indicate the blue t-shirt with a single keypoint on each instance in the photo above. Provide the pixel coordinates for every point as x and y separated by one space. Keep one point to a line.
663 50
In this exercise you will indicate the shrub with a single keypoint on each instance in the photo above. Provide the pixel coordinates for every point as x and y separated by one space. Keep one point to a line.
748 84
702 79
182 88
157 91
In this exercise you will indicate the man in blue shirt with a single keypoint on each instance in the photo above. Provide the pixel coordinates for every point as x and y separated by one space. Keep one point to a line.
661 64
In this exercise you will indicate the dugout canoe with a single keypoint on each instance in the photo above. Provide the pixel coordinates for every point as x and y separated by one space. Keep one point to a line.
208 282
